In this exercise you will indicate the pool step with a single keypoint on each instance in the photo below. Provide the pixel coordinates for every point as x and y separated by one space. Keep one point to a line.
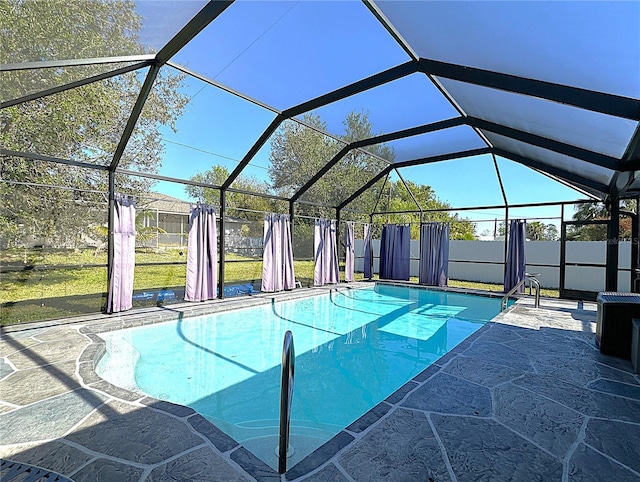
10 470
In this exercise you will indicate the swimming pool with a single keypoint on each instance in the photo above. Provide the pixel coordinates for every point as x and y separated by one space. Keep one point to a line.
353 349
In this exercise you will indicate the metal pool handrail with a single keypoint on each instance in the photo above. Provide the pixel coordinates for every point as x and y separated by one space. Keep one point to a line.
534 281
286 394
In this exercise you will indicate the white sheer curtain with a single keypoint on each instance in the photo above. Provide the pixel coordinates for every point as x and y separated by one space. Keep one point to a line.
368 252
120 296
202 255
326 253
349 251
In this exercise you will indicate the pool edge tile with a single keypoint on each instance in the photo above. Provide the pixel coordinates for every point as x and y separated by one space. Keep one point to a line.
321 455
253 466
174 409
370 417
217 437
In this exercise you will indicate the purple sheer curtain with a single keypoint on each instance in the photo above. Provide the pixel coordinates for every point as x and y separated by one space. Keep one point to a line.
387 237
349 251
434 254
516 262
202 255
326 253
368 252
401 255
124 254
277 259
395 252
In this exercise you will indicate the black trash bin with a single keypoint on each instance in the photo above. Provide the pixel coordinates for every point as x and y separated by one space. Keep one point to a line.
615 312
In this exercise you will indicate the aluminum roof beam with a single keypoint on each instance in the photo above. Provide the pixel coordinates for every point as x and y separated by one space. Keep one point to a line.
631 157
57 160
204 17
51 64
135 114
546 143
73 85
443 157
610 104
371 82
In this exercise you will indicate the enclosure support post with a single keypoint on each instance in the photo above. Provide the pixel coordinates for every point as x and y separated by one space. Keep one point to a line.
613 233
292 211
506 239
563 255
338 240
110 225
221 234
635 232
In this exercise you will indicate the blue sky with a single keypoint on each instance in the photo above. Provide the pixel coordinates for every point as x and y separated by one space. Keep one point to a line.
284 53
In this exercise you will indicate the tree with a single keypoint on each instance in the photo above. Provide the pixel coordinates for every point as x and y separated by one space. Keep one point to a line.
598 211
216 176
82 124
401 200
299 152
535 231
551 232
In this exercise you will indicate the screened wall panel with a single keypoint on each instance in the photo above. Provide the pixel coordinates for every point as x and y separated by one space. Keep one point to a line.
578 127
243 238
564 42
53 246
84 124
407 102
277 51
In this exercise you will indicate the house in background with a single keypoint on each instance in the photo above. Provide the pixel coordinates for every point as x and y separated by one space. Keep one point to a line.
171 216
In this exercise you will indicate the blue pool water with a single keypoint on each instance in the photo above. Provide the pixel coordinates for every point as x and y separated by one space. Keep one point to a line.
353 349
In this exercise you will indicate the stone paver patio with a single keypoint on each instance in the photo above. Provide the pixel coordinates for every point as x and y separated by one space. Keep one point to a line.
528 397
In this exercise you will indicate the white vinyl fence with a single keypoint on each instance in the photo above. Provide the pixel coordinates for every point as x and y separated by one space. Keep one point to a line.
483 261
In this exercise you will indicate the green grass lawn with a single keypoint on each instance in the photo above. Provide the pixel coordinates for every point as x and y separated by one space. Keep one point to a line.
31 294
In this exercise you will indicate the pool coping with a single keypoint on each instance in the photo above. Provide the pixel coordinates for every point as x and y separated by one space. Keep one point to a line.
252 465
